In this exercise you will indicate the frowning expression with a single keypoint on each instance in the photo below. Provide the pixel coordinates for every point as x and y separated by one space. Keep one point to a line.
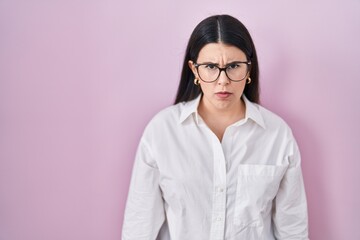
222 94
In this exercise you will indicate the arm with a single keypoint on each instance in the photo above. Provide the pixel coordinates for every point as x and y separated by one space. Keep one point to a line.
290 211
144 213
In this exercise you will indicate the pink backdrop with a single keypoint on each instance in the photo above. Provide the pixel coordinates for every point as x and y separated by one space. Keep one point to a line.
80 79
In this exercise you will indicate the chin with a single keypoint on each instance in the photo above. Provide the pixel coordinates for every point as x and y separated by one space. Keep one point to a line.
222 105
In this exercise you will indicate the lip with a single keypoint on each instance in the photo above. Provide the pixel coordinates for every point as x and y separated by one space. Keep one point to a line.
223 94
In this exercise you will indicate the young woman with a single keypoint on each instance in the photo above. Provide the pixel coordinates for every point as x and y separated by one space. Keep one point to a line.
217 165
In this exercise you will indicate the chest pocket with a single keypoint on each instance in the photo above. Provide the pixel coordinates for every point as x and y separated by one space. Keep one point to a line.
257 186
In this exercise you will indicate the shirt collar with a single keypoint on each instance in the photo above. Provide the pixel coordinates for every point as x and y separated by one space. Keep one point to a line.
190 108
252 111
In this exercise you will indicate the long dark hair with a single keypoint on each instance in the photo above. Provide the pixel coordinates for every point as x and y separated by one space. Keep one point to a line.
215 29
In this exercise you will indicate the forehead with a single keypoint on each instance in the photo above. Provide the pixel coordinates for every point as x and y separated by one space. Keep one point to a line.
216 52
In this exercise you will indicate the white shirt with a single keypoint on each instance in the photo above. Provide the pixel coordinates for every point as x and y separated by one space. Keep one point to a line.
194 187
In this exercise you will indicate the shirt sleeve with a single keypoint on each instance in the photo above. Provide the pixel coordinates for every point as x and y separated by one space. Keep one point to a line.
290 215
144 212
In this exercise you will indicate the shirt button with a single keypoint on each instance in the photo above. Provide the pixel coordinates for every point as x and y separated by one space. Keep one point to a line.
219 189
218 219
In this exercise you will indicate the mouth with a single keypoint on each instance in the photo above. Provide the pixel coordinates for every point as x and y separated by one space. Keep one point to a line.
223 94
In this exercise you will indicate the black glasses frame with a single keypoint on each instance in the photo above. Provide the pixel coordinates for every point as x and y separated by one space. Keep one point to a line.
197 65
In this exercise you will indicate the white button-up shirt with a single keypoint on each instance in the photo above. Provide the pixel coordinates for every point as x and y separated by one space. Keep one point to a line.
188 185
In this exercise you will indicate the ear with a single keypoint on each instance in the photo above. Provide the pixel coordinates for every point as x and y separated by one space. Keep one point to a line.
192 67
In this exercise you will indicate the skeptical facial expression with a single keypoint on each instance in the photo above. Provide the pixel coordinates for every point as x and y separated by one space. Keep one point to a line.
221 93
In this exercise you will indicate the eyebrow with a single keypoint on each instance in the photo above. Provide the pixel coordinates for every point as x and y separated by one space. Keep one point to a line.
227 64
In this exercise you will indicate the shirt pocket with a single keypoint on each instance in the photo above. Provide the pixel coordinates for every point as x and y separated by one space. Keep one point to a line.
257 186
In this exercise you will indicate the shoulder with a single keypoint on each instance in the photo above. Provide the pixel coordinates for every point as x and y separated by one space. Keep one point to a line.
169 114
164 120
274 122
278 132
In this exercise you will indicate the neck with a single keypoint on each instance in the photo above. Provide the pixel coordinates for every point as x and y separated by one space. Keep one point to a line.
231 114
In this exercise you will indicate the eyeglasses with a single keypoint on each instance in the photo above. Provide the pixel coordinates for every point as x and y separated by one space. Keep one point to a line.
235 71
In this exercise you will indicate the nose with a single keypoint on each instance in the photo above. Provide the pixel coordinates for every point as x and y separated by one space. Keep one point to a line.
223 78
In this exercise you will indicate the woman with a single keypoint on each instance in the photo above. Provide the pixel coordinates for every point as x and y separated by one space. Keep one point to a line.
216 165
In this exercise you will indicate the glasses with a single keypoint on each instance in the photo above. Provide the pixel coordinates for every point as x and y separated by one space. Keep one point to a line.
235 71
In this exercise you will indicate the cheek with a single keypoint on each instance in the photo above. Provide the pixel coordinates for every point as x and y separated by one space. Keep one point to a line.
240 87
206 88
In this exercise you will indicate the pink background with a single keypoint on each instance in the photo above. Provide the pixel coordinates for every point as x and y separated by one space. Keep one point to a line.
79 80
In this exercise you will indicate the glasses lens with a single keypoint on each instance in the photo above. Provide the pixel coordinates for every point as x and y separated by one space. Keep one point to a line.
208 72
237 71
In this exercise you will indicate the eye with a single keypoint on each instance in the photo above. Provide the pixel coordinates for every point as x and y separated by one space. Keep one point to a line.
210 66
233 66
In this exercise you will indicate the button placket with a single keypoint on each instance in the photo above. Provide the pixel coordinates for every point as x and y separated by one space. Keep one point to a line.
219 193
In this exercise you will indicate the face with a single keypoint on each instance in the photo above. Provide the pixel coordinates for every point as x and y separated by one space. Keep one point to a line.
223 94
